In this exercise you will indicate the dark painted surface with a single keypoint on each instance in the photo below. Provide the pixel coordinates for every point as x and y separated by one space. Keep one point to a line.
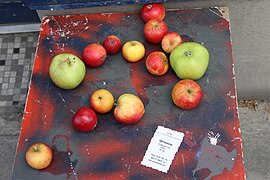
72 4
15 12
114 150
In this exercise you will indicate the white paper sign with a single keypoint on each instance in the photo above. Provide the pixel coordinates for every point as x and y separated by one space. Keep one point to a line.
162 149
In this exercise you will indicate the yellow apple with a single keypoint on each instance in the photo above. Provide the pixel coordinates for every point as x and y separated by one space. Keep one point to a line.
39 156
129 109
133 51
102 101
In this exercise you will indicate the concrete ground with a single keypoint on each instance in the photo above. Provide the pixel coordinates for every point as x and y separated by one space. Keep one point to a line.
255 125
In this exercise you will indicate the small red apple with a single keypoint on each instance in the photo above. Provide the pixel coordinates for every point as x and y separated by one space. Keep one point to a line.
157 63
39 156
94 55
187 94
154 30
112 44
170 41
153 11
85 119
129 109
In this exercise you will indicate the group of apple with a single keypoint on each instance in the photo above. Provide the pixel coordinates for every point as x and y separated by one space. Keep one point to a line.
189 60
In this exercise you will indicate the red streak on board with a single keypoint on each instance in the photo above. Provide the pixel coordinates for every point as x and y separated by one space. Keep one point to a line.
103 148
35 119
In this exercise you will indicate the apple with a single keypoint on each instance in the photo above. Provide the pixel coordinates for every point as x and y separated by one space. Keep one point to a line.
157 63
94 55
133 51
129 109
102 101
170 41
85 119
67 70
154 30
187 94
39 155
152 11
112 44
189 60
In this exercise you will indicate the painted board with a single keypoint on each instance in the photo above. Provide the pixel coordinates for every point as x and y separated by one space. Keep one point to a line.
212 145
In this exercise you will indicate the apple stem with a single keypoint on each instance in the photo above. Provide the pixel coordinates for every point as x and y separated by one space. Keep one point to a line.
99 97
35 149
149 6
112 42
69 61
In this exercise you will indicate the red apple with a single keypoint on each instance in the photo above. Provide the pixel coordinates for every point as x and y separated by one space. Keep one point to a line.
85 119
94 55
170 41
112 44
102 101
153 11
187 94
154 30
129 109
157 63
39 156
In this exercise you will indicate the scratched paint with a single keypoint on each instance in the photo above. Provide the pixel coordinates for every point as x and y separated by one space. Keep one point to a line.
114 150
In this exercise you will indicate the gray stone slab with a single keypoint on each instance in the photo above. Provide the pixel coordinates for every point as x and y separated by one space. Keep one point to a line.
8 146
10 125
255 125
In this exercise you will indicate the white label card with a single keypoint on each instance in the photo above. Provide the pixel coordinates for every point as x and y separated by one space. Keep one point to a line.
162 149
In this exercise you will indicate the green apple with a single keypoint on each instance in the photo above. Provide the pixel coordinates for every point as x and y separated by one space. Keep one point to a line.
189 60
67 70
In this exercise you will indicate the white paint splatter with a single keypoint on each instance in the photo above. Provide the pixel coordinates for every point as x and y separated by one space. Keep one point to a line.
213 138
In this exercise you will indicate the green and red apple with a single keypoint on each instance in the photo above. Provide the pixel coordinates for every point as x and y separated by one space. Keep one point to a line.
157 63
129 109
189 60
154 30
39 156
170 41
187 94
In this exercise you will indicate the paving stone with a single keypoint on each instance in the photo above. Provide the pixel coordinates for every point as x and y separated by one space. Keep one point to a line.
8 146
255 126
10 126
